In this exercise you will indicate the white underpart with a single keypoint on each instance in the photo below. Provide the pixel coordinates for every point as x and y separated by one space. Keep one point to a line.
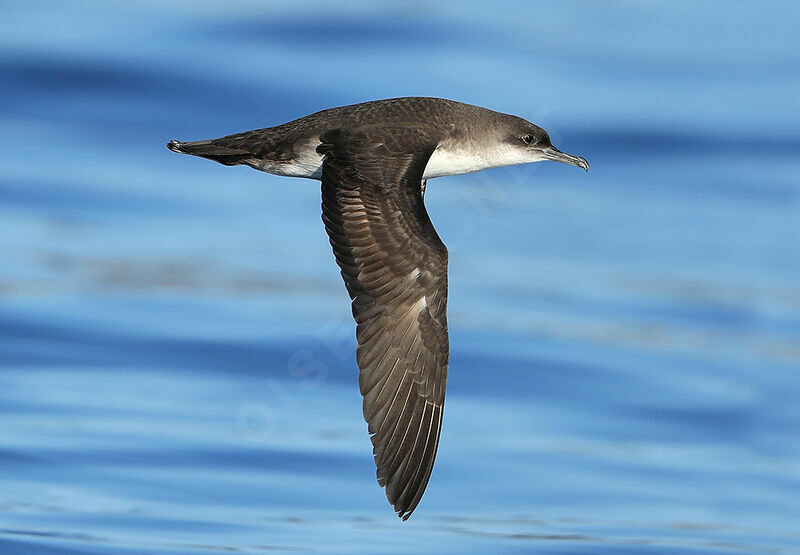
308 166
453 162
449 161
444 161
306 162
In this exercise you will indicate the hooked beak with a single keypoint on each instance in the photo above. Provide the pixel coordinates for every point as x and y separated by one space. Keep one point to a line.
552 153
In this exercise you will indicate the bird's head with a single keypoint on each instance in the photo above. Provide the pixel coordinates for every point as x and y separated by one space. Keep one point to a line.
532 144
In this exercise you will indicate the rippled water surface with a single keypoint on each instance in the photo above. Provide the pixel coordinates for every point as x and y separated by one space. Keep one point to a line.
176 350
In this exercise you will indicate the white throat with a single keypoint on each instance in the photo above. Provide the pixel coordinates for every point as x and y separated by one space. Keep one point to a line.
445 161
457 161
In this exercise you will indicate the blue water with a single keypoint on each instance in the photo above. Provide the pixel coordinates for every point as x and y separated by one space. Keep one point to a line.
176 350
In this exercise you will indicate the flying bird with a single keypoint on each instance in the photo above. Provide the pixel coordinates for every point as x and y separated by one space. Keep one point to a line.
374 160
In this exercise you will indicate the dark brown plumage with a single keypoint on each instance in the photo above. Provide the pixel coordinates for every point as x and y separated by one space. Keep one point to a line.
373 160
395 269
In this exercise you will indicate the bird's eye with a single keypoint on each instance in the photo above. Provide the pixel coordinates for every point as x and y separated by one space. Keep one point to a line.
529 139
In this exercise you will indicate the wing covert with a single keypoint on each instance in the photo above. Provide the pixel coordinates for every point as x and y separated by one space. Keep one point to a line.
395 268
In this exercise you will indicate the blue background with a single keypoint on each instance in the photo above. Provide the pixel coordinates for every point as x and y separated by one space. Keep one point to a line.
176 349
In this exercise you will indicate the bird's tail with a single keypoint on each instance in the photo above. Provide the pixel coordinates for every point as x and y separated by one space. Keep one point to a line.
212 150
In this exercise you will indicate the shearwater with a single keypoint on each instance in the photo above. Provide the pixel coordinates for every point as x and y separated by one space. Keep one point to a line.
373 160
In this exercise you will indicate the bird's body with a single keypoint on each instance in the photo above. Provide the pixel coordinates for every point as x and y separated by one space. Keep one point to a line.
373 160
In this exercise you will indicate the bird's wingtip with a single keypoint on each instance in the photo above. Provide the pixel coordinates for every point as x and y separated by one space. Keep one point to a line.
405 511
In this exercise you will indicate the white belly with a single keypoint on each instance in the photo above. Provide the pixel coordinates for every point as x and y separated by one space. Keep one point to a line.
443 161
